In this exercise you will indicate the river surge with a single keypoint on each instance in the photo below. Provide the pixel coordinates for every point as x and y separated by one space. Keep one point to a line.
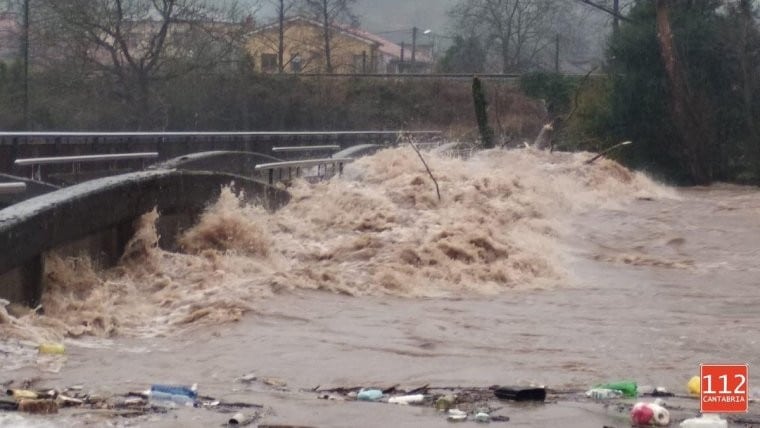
377 230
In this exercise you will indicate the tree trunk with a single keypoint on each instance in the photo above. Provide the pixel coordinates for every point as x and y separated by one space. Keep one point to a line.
748 78
505 63
326 24
281 41
143 104
481 113
688 116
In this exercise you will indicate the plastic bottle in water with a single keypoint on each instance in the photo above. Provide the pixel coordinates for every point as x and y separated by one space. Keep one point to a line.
407 399
172 395
604 393
709 420
188 391
369 395
628 387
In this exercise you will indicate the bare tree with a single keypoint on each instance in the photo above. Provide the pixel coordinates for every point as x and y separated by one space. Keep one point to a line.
329 13
519 30
139 42
283 8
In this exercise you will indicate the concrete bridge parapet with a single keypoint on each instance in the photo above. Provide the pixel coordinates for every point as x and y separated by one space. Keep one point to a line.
97 216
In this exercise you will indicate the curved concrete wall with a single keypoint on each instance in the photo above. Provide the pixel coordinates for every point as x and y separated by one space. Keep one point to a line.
103 211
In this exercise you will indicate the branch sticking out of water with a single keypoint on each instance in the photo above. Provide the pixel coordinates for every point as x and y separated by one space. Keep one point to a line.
430 173
603 152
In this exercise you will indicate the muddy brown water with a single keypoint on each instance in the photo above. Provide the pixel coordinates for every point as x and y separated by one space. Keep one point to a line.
651 288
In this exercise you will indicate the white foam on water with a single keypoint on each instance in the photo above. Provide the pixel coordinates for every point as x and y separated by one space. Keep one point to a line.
377 230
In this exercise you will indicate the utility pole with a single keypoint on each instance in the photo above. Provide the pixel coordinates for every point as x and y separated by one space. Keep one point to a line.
401 65
414 48
615 19
556 54
25 47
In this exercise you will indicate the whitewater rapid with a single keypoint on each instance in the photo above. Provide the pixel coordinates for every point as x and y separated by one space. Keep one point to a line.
378 229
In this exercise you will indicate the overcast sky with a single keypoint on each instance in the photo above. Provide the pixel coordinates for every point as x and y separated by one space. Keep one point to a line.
385 15
389 15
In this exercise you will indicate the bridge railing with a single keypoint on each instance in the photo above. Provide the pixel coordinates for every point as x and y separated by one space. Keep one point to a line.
169 145
36 163
293 169
12 187
290 149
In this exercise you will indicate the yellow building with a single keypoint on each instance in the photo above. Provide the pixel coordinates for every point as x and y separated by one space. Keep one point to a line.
304 48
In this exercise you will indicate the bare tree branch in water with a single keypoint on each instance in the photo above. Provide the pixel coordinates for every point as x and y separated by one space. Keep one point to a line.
430 173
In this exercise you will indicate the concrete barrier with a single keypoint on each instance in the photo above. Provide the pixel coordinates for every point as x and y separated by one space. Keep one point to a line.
96 217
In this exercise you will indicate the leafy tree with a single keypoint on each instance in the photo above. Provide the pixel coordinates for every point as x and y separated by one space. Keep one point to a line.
679 92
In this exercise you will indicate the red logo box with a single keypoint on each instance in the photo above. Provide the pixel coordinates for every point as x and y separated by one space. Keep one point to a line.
725 388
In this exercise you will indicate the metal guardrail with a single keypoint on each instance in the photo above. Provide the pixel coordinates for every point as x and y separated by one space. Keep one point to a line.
297 166
508 77
85 158
12 187
36 163
305 148
208 134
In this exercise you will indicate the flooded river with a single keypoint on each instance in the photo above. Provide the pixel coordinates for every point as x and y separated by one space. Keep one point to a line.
534 268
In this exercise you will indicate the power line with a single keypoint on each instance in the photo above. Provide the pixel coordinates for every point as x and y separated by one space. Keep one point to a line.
607 10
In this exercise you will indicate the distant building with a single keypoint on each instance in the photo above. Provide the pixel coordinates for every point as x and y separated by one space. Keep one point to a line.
352 50
395 58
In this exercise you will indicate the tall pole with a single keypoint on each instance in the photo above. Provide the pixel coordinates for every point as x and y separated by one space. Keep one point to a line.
432 54
556 54
401 65
414 48
615 19
25 47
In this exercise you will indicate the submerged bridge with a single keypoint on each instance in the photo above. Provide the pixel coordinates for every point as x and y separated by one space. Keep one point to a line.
181 173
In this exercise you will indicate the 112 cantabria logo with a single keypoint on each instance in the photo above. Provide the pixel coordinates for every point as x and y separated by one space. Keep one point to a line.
724 388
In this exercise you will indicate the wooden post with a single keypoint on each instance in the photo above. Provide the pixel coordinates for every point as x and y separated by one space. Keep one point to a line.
481 113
